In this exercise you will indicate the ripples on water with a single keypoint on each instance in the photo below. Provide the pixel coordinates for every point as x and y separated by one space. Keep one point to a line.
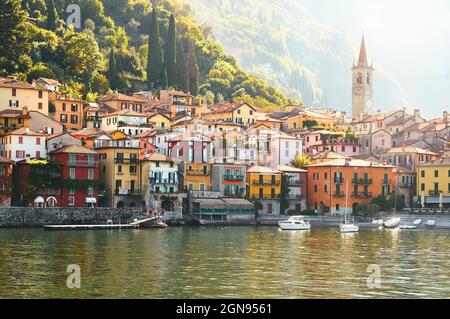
233 262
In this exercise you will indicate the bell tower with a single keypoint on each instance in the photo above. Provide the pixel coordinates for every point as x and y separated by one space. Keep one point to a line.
362 87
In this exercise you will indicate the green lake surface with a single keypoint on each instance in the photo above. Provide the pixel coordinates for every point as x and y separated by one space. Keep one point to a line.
225 262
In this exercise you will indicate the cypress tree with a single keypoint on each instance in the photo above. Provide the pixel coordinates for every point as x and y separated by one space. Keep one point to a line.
182 76
112 70
155 63
52 16
164 80
193 71
170 52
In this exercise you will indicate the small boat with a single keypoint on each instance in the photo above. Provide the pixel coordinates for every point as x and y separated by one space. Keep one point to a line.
378 222
417 222
294 223
408 227
430 223
392 222
349 228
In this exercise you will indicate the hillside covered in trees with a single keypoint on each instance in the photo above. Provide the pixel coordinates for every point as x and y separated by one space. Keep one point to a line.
123 45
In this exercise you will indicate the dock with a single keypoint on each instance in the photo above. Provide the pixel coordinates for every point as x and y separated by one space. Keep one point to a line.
90 227
135 224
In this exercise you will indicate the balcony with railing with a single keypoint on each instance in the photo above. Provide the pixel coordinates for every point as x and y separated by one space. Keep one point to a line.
169 181
197 172
233 178
362 195
339 180
297 182
129 192
123 160
362 181
265 197
117 144
406 184
435 192
295 197
81 163
338 195
266 182
387 181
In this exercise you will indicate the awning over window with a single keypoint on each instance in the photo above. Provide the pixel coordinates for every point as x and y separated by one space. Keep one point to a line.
39 200
435 200
91 200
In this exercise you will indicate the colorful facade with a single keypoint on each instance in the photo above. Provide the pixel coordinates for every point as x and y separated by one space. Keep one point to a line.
343 184
197 176
433 182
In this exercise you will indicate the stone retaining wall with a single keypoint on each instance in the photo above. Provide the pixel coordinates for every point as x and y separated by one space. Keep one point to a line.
37 217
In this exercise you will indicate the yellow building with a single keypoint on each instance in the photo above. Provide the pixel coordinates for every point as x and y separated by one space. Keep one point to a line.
242 113
11 120
120 172
161 120
197 176
264 183
16 94
433 179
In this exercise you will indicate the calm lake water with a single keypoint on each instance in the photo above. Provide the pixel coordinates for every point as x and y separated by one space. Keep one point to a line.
233 262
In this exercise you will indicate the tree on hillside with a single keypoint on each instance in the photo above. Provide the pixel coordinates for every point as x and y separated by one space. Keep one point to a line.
301 161
14 38
164 80
170 52
155 63
81 55
52 16
182 76
193 71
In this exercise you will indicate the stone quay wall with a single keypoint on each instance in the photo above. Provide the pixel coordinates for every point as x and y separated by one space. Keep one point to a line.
37 217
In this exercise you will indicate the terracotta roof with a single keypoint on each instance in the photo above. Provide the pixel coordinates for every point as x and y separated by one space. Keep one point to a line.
50 81
99 107
15 83
290 169
159 157
13 113
327 155
5 160
263 170
409 149
228 107
74 149
350 162
126 112
25 131
122 97
445 161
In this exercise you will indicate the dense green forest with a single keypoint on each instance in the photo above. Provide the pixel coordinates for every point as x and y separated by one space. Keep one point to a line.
123 45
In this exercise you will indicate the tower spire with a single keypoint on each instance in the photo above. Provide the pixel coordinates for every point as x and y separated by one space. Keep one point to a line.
362 53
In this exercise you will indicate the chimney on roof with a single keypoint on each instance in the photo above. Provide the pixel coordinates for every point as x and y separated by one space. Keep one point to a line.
27 130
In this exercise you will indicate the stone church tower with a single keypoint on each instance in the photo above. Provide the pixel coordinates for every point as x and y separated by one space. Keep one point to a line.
362 88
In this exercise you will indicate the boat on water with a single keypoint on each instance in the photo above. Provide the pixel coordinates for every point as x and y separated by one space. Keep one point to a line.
417 222
393 222
408 227
348 226
295 223
430 223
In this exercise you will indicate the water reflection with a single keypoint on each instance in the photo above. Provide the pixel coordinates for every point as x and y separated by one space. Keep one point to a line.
240 262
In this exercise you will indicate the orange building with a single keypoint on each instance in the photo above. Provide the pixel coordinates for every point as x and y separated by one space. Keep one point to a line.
337 185
66 110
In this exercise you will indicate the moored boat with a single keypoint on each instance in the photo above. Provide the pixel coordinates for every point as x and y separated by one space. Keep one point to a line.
392 222
430 223
408 227
294 223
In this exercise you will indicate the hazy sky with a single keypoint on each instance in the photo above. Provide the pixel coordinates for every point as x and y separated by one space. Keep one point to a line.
409 38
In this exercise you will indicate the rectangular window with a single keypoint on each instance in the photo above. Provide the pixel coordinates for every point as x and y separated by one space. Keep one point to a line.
422 174
71 200
91 174
14 92
74 107
436 173
133 169
40 94
63 118
72 173
64 107
20 140
40 106
119 169
90 190
38 141
38 154
422 187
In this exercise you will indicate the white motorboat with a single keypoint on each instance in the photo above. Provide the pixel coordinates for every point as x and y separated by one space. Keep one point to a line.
417 222
294 223
408 227
430 223
349 228
392 222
